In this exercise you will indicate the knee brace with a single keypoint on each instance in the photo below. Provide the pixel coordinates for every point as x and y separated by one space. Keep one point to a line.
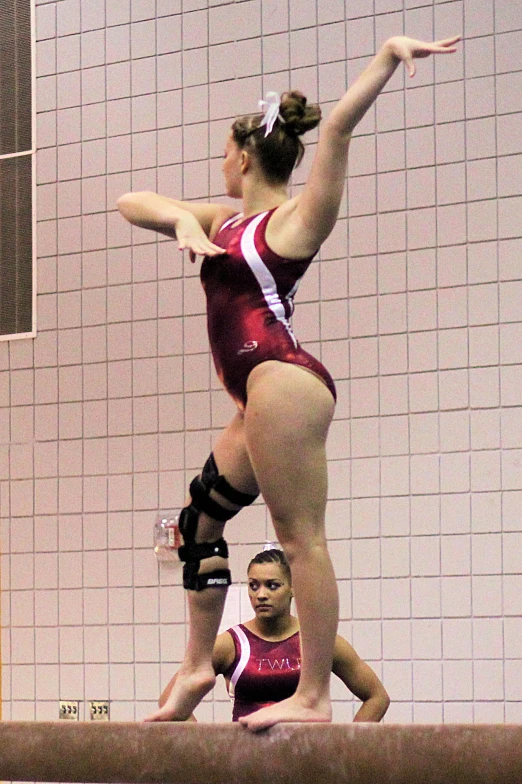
192 553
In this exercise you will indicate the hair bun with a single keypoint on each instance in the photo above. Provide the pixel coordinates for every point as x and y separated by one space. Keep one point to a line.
299 116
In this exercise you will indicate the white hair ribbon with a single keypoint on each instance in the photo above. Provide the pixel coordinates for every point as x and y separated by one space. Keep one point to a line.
271 109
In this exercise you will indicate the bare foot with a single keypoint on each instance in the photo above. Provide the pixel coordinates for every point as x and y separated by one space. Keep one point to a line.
186 694
288 710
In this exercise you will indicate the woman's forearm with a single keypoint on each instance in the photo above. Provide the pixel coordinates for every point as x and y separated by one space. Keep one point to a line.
374 708
353 106
150 210
364 91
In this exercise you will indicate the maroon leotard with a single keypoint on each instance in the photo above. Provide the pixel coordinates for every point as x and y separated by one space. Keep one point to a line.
262 672
250 291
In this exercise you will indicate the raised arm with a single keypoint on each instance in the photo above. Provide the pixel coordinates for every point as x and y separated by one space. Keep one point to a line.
192 224
361 680
306 221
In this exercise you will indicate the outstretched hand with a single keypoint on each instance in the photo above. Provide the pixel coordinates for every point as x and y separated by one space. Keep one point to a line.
406 49
191 236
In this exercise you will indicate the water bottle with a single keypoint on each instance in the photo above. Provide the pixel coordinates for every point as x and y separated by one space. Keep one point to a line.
167 538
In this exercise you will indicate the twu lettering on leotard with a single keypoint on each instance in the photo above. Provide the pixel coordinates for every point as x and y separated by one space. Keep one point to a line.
278 664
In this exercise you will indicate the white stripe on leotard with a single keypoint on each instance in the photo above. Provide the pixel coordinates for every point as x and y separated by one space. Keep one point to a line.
243 660
263 275
291 294
230 220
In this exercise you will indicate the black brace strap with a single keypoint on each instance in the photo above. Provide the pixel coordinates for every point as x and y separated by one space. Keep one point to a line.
192 554
204 503
211 478
197 552
192 581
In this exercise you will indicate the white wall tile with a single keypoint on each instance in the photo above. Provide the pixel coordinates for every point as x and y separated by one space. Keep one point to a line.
431 379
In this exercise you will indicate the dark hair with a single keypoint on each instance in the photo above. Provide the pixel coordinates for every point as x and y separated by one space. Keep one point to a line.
282 150
272 556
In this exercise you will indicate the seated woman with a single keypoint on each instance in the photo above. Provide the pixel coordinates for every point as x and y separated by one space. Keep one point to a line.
261 659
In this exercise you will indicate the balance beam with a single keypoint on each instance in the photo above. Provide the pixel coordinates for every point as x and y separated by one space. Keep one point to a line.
129 753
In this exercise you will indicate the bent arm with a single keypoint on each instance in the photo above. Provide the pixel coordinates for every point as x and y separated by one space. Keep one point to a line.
361 680
150 210
193 225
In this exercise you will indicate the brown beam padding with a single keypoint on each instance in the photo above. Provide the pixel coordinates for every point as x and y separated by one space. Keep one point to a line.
287 754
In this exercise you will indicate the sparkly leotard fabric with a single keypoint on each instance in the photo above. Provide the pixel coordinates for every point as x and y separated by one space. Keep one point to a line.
262 672
250 292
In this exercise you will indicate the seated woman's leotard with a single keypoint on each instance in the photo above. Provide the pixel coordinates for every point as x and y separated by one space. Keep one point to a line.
250 292
262 672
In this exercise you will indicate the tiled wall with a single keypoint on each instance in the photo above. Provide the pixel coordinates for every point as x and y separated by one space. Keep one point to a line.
107 413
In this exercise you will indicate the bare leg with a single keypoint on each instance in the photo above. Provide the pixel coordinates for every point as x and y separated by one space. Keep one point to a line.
196 675
286 423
